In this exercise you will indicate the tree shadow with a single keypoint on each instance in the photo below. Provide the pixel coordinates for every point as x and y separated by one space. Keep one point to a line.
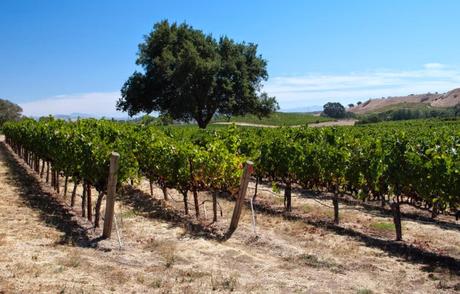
382 211
155 209
408 252
51 211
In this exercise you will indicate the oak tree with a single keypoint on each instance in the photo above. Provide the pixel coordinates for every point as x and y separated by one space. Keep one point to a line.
189 75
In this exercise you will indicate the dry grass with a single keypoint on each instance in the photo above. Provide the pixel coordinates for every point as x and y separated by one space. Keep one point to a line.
72 260
221 282
2 239
314 261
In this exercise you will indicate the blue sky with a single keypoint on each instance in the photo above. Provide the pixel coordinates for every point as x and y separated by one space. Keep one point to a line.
74 56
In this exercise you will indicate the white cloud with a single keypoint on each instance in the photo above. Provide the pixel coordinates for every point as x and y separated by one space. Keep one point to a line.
96 104
434 65
317 89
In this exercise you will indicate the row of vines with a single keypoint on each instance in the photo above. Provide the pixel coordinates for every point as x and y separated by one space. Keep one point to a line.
80 151
414 163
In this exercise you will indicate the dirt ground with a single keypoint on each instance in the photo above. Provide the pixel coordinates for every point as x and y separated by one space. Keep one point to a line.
46 247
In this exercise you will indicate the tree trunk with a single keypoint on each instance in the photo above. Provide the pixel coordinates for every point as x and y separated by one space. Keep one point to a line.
434 211
165 192
34 162
65 186
287 197
37 167
397 220
43 169
214 206
74 194
185 194
47 171
57 181
335 202
89 213
195 200
201 123
52 177
98 209
151 187
83 200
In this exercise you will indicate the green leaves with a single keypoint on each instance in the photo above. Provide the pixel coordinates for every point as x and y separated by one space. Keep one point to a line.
420 162
190 75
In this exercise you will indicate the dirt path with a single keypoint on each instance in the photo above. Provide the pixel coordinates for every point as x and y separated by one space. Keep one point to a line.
45 248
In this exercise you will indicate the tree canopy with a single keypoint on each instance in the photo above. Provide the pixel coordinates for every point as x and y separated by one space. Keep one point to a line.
190 75
9 111
334 109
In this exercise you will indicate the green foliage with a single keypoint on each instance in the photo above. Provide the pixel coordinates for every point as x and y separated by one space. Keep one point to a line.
383 226
419 161
81 150
189 75
416 159
334 109
274 119
407 112
9 111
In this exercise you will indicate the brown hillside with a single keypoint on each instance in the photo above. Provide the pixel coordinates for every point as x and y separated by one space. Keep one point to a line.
448 99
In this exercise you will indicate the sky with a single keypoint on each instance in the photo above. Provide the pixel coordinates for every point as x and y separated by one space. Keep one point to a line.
62 57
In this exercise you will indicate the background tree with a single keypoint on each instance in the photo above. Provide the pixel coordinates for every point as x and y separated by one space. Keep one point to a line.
351 105
457 109
359 103
9 111
190 75
334 109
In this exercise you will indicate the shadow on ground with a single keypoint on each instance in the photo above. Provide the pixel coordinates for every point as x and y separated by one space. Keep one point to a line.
406 251
52 212
376 209
156 209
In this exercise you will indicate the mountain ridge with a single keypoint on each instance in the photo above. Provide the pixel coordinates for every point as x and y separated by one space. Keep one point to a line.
435 100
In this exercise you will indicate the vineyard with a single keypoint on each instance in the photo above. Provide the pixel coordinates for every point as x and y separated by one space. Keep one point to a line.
415 164
368 183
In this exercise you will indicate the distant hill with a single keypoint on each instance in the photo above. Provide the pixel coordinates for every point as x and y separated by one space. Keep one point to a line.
78 115
445 100
74 116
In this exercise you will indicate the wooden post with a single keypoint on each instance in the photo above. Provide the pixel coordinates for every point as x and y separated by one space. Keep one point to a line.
151 187
288 197
195 201
111 190
397 220
214 206
185 194
335 203
247 170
